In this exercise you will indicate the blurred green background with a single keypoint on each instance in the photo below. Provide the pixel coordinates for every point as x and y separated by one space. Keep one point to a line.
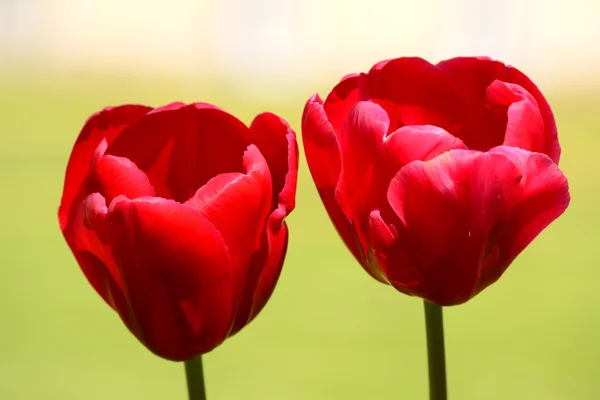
329 331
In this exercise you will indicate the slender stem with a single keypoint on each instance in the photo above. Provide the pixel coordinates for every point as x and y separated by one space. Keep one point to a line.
195 379
435 352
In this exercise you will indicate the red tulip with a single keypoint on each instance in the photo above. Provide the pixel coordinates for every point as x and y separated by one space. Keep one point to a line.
176 217
436 176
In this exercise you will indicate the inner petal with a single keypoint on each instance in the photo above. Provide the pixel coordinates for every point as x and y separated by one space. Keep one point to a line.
112 176
181 148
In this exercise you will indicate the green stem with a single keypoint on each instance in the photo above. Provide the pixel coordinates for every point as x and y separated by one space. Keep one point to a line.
195 379
435 352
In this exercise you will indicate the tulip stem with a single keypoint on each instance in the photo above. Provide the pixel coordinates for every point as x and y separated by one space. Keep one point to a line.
435 351
195 379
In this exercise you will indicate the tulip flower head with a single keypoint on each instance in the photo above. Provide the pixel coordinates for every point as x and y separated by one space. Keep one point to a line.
436 176
176 217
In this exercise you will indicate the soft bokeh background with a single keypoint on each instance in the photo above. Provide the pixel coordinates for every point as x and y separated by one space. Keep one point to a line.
329 332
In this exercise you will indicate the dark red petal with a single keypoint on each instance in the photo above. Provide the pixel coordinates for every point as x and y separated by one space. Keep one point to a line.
265 268
342 99
323 157
391 261
176 272
191 138
113 176
414 92
269 274
361 143
472 76
277 143
525 127
92 251
106 124
238 205
90 237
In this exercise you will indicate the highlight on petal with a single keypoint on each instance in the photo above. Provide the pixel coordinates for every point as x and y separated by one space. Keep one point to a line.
415 142
113 176
177 275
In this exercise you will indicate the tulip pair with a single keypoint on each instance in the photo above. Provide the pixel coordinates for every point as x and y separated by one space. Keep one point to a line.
435 176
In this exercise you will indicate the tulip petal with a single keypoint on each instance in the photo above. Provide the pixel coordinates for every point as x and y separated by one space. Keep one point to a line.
415 142
462 212
323 157
106 124
542 197
191 138
361 143
473 75
414 92
238 206
271 269
343 97
449 207
392 261
176 272
525 127
92 250
90 242
277 143
113 176
264 271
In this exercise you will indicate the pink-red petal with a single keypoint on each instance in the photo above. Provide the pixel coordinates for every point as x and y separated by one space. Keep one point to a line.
542 197
412 143
525 126
464 213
